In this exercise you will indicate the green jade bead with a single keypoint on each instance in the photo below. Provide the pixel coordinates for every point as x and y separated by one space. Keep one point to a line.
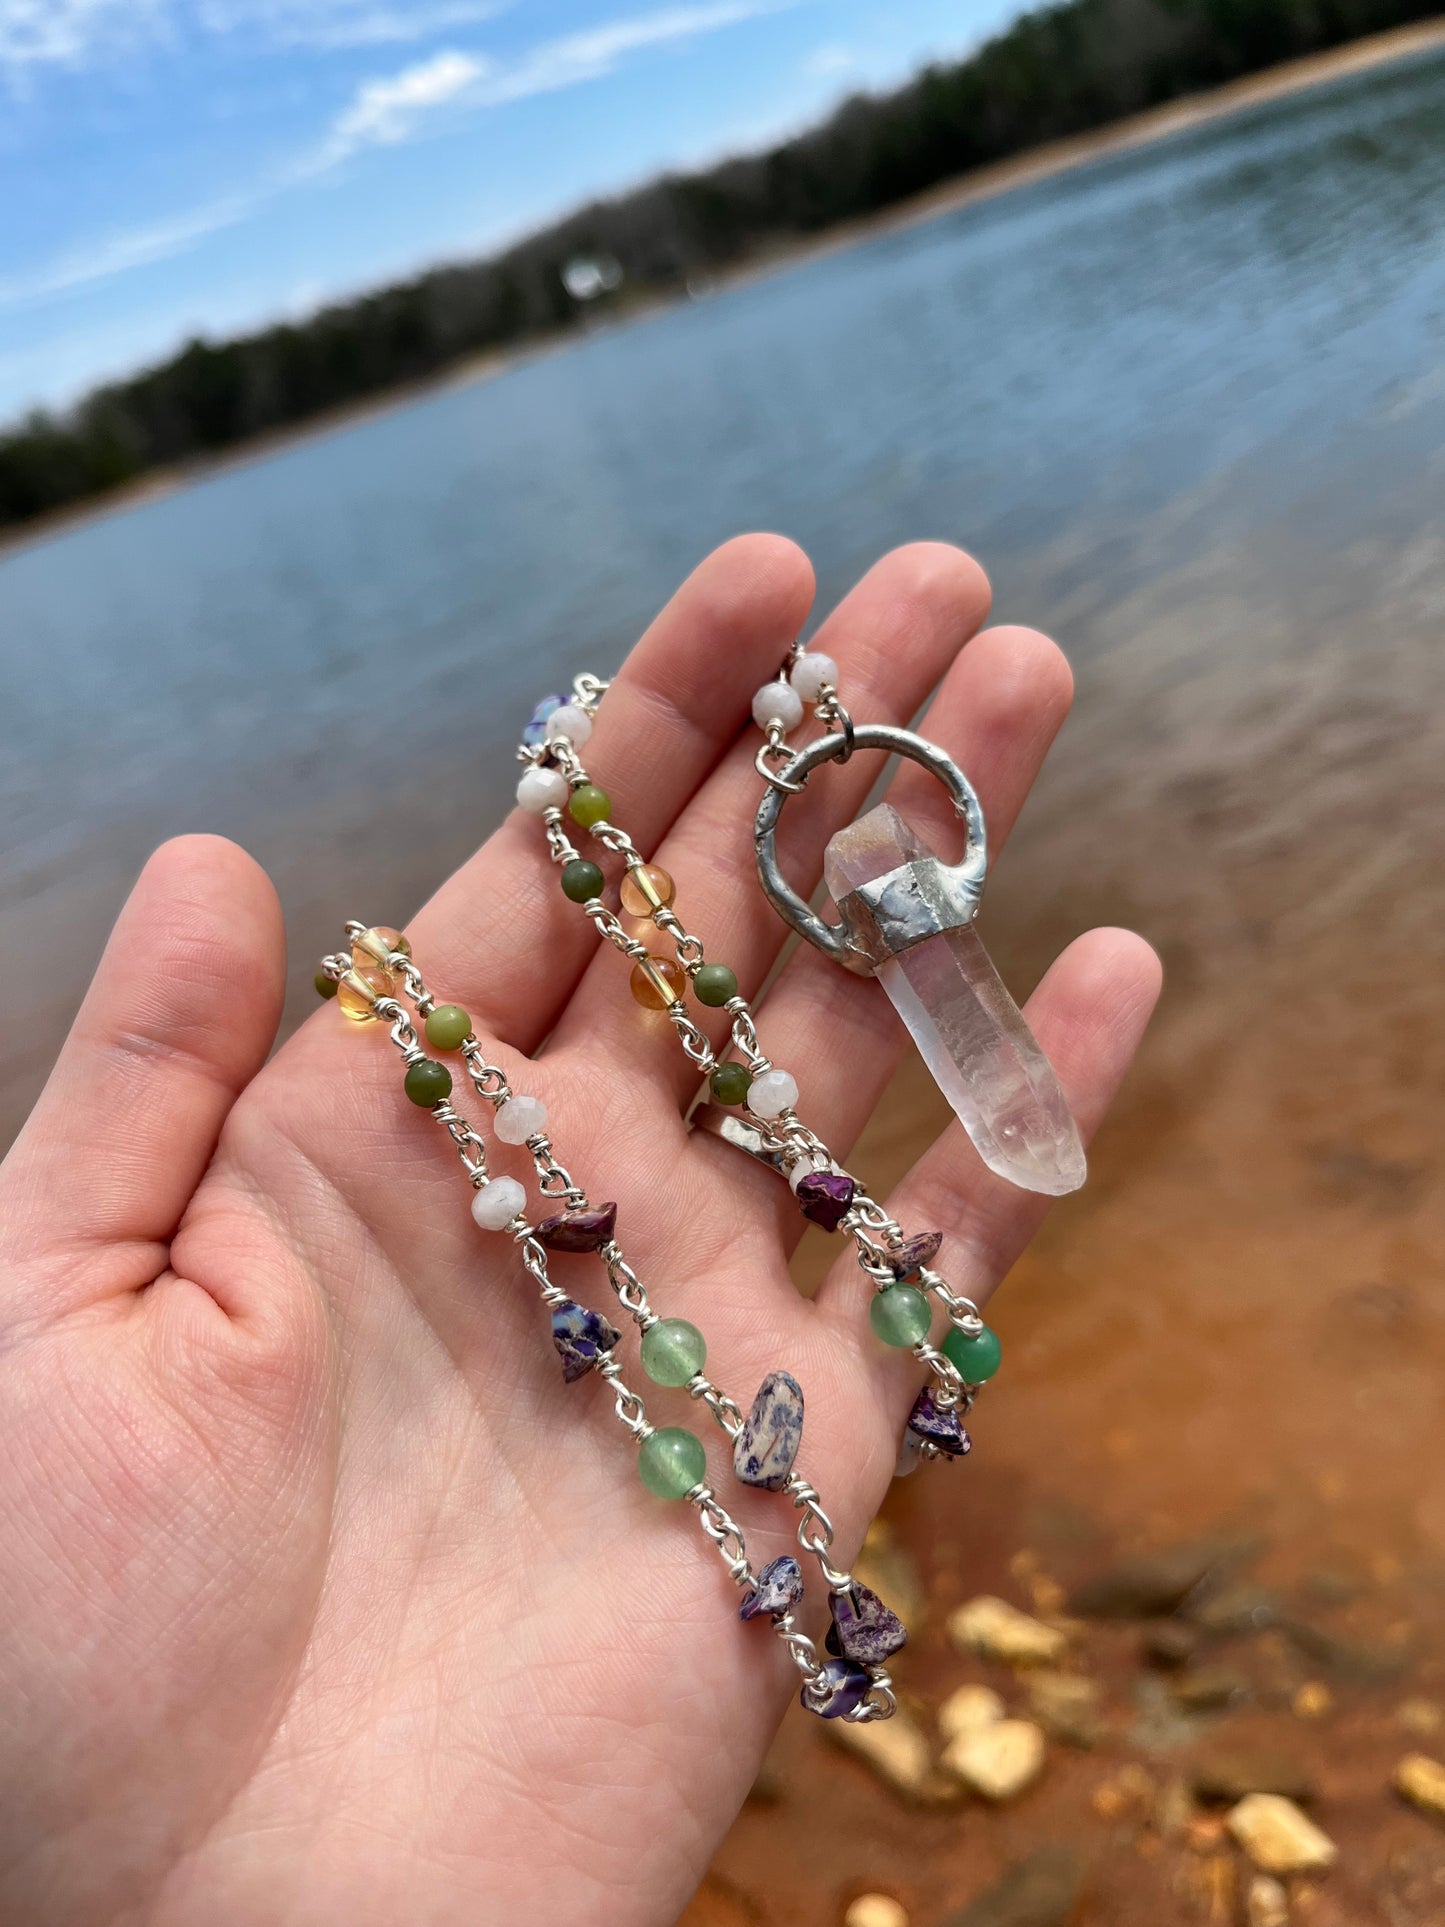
974 1359
428 1083
671 1462
713 985
900 1316
581 880
731 1083
447 1026
673 1351
326 985
589 805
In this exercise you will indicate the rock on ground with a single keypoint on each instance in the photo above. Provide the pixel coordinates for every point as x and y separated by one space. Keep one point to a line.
1422 1781
1000 1631
997 1761
899 1753
1279 1838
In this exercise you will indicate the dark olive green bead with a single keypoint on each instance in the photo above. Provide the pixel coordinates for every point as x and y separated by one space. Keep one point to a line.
428 1083
589 805
730 1083
581 880
975 1359
447 1026
714 984
326 985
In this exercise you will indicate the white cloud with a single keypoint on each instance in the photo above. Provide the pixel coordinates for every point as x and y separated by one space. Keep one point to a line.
386 112
341 23
130 248
826 62
36 33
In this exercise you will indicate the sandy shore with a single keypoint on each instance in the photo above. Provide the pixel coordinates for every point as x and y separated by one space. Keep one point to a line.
1040 163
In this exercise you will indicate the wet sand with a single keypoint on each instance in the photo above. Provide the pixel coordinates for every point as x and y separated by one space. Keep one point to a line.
1239 1326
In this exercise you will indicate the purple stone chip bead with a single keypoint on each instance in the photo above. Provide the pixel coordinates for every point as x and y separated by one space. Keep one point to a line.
916 1253
536 730
842 1687
587 1229
940 1424
582 1337
825 1197
864 1629
779 1588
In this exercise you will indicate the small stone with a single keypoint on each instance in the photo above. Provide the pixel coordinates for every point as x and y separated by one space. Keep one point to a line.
673 1351
520 1118
729 1083
873 1910
645 889
900 1315
1066 1705
570 723
764 1451
998 1761
810 672
1042 1891
589 805
657 983
779 1588
940 1424
497 1203
1000 1631
581 880
864 1629
968 1709
915 1254
536 729
777 702
541 790
825 1197
1279 1838
670 1462
842 1687
975 1356
427 1083
1422 1782
585 1229
1225 1778
898 1752
714 985
1170 1644
771 1093
1266 1903
1312 1701
1420 1716
1207 1689
582 1337
447 1025
326 985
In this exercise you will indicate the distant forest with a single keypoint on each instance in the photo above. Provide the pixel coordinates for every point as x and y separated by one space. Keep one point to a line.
1060 70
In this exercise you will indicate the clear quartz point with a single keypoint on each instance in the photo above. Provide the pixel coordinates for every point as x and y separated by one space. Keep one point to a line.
970 1032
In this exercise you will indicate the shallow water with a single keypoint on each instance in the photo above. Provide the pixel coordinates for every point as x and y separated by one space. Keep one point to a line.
1188 406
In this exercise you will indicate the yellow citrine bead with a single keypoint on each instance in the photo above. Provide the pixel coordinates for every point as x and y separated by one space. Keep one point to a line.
359 990
658 982
644 931
646 889
378 943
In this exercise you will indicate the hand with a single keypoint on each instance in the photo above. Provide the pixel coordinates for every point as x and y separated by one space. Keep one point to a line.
325 1600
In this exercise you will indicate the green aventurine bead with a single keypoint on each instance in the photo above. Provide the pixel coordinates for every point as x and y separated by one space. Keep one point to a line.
672 1351
446 1026
974 1359
900 1316
581 881
672 1462
731 1083
589 805
326 986
714 984
428 1083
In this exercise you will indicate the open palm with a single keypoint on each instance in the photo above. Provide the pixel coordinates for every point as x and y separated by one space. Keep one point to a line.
325 1600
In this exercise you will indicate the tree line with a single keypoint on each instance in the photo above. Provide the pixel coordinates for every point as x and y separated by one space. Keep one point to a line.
1060 70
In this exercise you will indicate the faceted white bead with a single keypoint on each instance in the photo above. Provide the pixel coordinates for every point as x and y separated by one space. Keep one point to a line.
772 1094
520 1118
497 1203
570 721
810 672
542 789
777 702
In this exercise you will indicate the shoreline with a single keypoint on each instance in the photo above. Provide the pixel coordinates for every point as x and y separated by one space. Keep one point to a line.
982 184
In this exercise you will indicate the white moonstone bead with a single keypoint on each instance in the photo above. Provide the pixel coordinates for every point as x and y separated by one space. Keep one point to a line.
520 1118
542 789
570 721
777 702
807 1167
497 1203
772 1094
810 672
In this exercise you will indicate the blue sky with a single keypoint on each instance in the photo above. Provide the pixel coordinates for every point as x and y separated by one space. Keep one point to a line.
169 167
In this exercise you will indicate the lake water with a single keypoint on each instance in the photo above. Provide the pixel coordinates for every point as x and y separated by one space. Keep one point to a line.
1231 340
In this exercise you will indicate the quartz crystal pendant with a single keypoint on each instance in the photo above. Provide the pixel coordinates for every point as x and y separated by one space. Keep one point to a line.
971 1034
